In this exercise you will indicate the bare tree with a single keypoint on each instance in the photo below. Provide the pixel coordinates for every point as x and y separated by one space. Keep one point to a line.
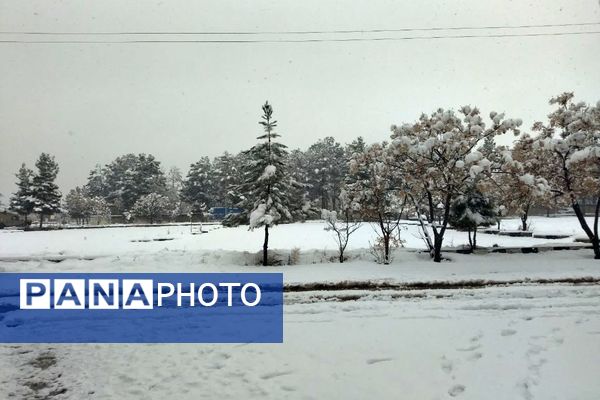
342 224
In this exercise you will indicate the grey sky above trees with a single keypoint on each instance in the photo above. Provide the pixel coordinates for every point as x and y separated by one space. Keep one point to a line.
89 103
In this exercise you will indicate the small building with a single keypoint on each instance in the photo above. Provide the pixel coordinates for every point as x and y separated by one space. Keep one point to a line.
9 218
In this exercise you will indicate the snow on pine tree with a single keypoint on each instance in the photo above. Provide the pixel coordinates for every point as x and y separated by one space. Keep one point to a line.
45 193
126 179
437 161
22 201
470 211
327 167
569 146
226 173
266 185
302 208
198 186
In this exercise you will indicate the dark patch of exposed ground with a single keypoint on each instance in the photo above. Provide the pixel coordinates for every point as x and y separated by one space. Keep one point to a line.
465 284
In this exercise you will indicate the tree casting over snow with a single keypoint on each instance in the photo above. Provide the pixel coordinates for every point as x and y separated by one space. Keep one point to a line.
374 188
45 193
569 147
519 187
22 201
126 179
470 211
437 161
266 185
81 206
152 207
342 223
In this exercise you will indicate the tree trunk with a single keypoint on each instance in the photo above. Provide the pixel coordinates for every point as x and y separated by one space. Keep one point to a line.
386 249
341 256
437 247
266 247
475 239
439 236
596 246
596 239
41 220
582 221
470 240
593 236
524 218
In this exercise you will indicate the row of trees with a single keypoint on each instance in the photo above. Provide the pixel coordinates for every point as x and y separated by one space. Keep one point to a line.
444 169
136 185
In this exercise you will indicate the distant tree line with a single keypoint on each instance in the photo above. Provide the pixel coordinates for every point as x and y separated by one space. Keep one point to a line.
136 186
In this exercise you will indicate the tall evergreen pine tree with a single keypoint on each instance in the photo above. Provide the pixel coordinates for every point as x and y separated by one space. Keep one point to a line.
266 185
46 196
198 187
22 201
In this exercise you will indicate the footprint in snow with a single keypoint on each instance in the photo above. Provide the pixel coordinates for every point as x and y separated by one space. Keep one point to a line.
275 374
469 348
508 332
447 365
371 361
456 390
474 343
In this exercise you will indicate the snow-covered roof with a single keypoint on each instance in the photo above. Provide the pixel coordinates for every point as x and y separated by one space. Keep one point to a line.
5 210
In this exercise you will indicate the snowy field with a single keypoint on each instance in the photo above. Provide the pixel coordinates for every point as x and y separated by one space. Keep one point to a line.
513 326
305 236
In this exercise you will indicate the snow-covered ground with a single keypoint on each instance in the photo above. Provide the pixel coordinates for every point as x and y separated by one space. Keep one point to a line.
526 342
523 332
306 236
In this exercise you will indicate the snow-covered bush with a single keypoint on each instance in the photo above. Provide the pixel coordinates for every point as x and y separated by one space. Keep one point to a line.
382 251
294 258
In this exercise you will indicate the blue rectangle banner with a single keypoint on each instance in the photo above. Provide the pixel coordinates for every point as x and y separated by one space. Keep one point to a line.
141 308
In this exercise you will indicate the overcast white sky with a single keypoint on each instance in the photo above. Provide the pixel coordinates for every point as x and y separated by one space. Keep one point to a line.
89 103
